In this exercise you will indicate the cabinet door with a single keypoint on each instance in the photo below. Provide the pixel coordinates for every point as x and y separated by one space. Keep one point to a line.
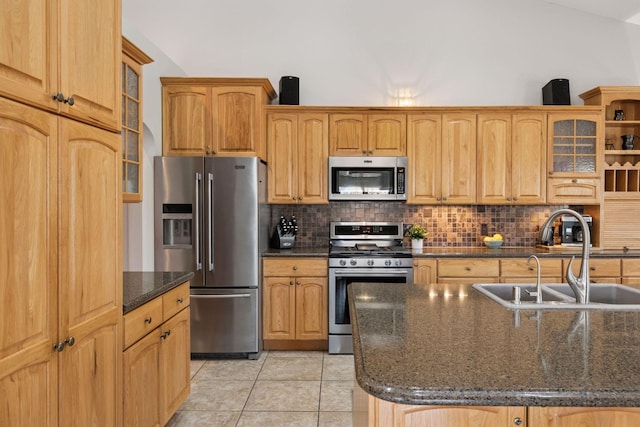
278 307
459 158
386 135
235 124
425 158
347 135
494 159
529 159
175 364
424 271
584 417
28 288
90 294
313 158
28 51
185 121
141 382
573 144
282 165
312 308
90 61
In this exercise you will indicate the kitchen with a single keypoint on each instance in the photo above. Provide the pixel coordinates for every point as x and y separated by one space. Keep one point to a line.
458 88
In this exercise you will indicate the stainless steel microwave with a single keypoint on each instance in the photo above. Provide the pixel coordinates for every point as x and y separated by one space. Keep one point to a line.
367 178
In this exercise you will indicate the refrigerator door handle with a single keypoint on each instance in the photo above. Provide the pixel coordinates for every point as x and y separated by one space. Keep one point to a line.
197 220
210 219
221 296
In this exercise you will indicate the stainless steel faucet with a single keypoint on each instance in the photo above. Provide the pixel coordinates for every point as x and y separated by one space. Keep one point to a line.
580 285
538 291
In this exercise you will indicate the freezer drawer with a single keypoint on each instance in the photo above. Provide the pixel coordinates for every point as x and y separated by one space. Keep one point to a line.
225 321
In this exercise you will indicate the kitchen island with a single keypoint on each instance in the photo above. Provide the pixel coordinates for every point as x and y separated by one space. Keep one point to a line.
427 354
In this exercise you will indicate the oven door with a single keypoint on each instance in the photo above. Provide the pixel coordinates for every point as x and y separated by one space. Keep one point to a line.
340 278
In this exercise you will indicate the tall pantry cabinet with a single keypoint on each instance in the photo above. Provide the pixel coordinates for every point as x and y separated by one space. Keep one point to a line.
60 220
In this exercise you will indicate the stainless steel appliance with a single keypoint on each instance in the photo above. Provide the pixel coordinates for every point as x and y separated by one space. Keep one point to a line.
570 231
367 178
211 218
362 252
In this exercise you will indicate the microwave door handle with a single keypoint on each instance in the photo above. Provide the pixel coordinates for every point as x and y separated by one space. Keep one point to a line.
197 220
210 219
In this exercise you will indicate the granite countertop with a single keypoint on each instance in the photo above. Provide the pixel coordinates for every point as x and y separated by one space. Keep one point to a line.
141 287
517 252
429 345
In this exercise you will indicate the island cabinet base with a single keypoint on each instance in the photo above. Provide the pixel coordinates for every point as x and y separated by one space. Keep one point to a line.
371 411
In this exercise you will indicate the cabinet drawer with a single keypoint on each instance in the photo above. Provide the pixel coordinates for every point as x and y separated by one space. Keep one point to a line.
175 300
142 320
573 190
598 267
469 267
295 267
631 267
518 267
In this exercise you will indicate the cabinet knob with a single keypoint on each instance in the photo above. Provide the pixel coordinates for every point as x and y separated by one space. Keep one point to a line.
444 199
215 151
69 100
71 341
299 198
468 268
517 421
58 97
364 152
370 152
575 181
165 335
180 300
295 268
148 320
290 282
297 283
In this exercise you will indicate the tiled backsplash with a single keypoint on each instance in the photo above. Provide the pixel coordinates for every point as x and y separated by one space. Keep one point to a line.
447 225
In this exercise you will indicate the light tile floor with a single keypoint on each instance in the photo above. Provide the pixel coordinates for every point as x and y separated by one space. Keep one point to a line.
281 388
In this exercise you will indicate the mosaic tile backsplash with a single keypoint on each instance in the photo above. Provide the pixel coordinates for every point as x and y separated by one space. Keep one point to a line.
448 226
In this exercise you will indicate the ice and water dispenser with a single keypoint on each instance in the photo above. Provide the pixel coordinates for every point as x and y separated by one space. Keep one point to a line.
177 226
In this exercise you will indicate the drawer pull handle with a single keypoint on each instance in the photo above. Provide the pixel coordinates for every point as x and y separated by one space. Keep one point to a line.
180 300
165 335
468 268
148 320
531 268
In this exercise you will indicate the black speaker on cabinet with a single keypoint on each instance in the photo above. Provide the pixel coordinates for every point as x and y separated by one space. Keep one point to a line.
556 92
289 90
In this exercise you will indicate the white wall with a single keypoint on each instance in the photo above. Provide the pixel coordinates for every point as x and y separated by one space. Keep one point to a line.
138 217
363 52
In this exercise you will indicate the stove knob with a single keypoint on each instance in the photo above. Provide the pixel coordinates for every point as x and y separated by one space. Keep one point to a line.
343 262
387 263
369 262
398 263
353 262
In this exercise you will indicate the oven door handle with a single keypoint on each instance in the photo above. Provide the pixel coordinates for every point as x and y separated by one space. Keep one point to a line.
360 272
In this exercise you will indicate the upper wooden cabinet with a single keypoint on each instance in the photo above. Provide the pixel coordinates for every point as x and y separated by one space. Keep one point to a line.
574 158
214 116
132 123
442 158
297 157
511 158
368 134
63 56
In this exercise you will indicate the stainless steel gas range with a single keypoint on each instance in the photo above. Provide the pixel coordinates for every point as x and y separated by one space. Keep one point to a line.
362 252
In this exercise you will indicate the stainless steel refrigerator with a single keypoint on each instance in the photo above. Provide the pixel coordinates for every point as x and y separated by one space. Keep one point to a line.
212 218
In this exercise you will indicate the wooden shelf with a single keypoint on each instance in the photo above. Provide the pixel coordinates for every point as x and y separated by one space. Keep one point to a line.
622 152
622 123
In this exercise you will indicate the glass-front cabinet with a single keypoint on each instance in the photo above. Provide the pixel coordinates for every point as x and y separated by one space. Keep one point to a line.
574 154
132 126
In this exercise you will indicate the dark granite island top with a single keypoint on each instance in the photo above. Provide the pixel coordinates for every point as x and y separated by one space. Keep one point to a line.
141 286
424 345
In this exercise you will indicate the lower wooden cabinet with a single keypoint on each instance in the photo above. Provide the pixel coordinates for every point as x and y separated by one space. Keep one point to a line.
582 417
157 367
468 270
424 271
295 302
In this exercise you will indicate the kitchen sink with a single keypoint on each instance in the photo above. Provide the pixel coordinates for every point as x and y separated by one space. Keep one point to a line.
560 296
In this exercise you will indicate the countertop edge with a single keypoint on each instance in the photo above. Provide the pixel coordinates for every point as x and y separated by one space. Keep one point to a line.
140 287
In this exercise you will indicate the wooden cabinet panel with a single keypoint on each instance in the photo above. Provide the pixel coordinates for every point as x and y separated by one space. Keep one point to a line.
518 267
631 267
574 190
141 367
313 158
459 158
529 159
29 71
236 124
312 309
175 366
494 158
424 271
289 266
141 321
585 417
89 74
425 160
185 124
175 300
278 308
347 134
386 135
282 140
599 267
617 231
469 267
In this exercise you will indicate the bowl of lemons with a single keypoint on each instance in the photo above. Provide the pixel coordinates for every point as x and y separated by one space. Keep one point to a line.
493 242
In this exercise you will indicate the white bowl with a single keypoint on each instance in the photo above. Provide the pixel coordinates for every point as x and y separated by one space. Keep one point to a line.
493 244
